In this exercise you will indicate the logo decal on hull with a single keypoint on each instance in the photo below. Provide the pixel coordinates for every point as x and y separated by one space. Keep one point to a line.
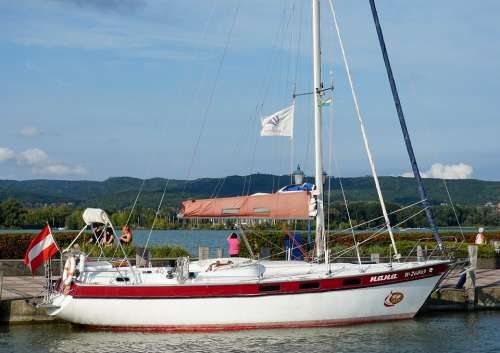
393 298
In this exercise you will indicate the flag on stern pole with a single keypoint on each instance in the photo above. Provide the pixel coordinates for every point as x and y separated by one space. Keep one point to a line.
279 123
42 248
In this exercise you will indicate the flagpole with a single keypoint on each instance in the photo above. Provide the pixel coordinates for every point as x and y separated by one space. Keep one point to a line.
50 231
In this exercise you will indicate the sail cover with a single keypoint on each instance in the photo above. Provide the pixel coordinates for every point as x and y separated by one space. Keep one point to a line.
279 205
95 215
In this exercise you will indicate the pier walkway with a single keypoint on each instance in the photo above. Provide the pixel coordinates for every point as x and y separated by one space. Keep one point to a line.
22 287
485 278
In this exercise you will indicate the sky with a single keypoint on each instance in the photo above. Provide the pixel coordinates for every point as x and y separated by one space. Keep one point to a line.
93 89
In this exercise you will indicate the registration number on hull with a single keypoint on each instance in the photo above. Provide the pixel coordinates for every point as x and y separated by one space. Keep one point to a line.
394 276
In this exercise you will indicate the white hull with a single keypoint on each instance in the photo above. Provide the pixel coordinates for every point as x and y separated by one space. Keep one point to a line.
333 307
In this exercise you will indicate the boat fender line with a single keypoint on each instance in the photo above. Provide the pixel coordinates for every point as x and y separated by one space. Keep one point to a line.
69 270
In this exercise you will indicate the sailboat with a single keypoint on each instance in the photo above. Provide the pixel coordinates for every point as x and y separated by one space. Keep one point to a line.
246 293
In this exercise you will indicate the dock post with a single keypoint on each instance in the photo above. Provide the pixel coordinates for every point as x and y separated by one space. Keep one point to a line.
470 283
202 252
219 253
420 254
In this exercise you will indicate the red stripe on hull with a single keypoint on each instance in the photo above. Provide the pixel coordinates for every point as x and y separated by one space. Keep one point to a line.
240 327
254 289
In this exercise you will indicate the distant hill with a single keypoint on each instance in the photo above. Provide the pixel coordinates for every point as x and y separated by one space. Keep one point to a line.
117 193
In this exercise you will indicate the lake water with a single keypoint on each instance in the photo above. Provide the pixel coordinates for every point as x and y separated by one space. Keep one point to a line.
443 332
188 239
191 239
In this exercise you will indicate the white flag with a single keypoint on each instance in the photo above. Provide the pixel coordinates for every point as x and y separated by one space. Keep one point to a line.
279 123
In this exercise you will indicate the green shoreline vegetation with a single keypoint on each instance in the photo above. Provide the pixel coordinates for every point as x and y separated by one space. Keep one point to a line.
14 214
13 245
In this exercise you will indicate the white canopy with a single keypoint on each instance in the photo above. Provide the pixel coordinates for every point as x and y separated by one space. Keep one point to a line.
95 215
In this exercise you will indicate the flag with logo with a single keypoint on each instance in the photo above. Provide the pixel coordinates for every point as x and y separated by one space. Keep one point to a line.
41 249
279 123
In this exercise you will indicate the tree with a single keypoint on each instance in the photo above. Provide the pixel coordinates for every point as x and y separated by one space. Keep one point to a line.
74 220
13 213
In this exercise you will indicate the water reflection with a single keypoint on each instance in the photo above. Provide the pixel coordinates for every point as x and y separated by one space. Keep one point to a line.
475 332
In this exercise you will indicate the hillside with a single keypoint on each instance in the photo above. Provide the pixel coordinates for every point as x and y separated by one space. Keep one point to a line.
116 193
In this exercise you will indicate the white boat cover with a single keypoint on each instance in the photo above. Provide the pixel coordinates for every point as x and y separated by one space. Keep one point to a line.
95 215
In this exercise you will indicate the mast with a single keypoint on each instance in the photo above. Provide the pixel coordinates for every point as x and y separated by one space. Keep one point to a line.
406 135
318 145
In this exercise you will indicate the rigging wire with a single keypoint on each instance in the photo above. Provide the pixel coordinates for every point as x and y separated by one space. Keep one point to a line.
454 210
376 218
212 92
156 217
135 201
331 158
281 36
238 148
265 85
286 94
380 231
347 210
363 132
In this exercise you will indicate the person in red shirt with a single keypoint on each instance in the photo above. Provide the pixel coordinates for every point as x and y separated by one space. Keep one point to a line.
234 245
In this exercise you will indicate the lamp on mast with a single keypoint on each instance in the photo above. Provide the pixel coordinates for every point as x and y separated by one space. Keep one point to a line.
298 176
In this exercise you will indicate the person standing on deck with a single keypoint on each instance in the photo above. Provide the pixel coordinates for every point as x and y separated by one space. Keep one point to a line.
480 237
234 245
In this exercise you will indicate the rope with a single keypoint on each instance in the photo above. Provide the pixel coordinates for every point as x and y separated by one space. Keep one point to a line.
363 132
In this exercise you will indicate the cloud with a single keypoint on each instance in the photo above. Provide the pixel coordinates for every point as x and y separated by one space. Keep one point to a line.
39 162
6 154
32 156
59 169
444 171
30 132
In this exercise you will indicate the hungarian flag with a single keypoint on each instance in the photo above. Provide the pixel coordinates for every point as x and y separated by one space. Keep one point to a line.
42 248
